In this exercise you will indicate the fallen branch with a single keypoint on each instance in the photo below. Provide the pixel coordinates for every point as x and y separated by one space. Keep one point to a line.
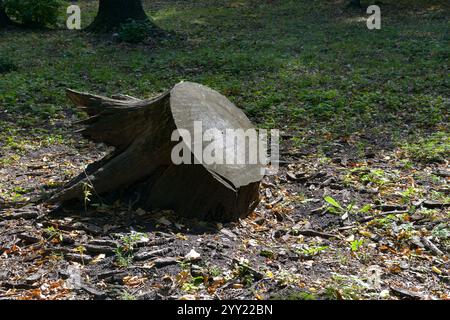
430 245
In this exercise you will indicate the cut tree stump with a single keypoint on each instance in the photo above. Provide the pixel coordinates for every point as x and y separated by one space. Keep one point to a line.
141 166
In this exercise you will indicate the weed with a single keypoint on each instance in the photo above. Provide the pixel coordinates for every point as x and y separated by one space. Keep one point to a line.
336 208
366 176
124 251
245 274
313 250
215 271
87 187
343 287
81 250
53 233
442 231
355 245
127 296
267 254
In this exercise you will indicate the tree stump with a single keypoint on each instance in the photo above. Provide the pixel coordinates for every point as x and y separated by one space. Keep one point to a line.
141 165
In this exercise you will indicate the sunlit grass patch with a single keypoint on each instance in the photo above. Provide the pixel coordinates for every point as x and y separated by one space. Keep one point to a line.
434 148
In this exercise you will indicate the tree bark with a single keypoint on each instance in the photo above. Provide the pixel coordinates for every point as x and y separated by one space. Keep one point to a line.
4 19
355 4
112 13
141 168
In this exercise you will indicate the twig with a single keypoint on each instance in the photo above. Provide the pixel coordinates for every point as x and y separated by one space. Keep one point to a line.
314 233
347 227
430 245
274 202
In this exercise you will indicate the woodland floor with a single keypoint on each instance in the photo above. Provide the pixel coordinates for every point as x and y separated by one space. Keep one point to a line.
362 194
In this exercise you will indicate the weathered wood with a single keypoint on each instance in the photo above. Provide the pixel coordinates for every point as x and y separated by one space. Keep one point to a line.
141 130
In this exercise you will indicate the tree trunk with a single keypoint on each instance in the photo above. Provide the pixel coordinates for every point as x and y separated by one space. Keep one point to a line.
141 168
4 19
355 4
112 13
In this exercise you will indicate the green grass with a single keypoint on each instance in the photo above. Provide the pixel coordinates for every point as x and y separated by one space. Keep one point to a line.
6 65
435 148
314 69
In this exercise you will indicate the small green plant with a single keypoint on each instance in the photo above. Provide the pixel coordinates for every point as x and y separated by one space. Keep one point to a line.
189 287
34 13
442 231
134 31
124 252
53 233
384 222
81 250
366 208
184 264
375 177
355 245
198 280
313 250
123 258
334 203
127 296
215 271
343 287
131 240
16 195
87 187
409 194
336 208
267 254
244 272
193 284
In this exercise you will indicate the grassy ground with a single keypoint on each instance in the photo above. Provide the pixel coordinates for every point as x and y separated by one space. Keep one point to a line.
340 92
